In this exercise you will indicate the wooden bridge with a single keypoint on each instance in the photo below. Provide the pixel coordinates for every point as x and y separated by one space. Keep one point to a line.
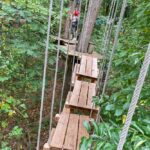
69 130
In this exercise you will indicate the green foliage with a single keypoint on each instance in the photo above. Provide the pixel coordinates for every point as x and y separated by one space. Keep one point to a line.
24 27
16 132
133 43
5 146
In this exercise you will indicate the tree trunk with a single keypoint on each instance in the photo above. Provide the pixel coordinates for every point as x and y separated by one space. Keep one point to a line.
93 9
67 23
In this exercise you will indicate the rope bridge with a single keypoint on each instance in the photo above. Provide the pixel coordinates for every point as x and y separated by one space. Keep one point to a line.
85 82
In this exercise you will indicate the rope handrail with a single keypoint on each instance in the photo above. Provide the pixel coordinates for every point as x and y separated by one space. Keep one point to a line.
106 40
113 49
76 42
66 64
135 98
56 69
44 73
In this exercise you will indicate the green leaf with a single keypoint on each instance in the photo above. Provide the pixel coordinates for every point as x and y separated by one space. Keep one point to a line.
2 79
139 144
87 126
110 107
118 112
96 129
137 127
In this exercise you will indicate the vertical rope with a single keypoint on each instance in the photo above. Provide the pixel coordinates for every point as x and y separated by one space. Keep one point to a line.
65 72
56 70
66 63
107 35
44 74
103 44
76 42
135 98
107 41
114 47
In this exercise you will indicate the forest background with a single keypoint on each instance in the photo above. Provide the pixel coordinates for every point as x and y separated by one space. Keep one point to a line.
22 44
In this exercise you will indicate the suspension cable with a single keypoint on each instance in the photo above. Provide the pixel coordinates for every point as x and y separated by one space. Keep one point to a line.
66 67
76 42
135 98
107 34
107 42
103 43
113 49
56 69
44 73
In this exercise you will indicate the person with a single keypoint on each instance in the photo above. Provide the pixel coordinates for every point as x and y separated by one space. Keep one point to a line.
74 23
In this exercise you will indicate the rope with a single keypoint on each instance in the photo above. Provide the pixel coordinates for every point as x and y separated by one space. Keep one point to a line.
56 69
64 79
65 72
108 20
114 48
135 99
106 39
76 42
44 73
107 34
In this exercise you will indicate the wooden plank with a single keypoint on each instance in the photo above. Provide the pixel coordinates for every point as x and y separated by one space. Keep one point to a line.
83 65
66 109
59 135
75 94
89 64
47 145
82 108
83 94
51 135
65 40
72 132
82 131
91 93
95 68
74 75
68 96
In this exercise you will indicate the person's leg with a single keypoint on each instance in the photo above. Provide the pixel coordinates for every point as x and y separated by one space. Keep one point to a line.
72 31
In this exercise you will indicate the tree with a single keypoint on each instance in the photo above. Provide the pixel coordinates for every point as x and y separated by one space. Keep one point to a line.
88 26
67 22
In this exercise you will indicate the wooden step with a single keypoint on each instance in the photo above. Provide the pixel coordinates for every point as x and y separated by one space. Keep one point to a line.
69 132
82 96
87 70
88 67
74 74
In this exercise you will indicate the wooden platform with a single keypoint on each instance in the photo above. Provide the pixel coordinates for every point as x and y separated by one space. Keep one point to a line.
82 96
69 132
79 105
88 67
72 52
65 41
87 70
